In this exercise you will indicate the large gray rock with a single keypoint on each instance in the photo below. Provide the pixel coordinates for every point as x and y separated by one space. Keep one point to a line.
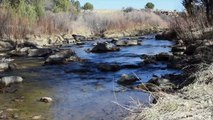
60 57
5 81
164 57
104 47
39 52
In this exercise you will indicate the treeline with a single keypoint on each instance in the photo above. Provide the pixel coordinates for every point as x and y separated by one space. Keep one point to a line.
21 17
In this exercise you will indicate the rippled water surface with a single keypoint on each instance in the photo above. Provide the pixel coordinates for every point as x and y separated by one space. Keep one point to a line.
80 91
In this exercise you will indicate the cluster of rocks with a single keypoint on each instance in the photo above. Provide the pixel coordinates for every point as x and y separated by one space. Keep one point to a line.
104 47
113 45
62 56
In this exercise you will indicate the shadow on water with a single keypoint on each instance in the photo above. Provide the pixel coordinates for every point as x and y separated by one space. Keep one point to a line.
80 91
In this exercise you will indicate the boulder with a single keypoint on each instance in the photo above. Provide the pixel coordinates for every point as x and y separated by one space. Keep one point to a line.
5 81
42 52
127 43
105 67
104 47
60 57
128 79
148 59
166 35
164 57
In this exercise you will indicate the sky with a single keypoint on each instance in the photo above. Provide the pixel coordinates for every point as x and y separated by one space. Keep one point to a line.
118 4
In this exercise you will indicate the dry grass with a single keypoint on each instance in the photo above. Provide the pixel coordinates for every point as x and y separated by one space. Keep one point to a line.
193 102
86 23
190 28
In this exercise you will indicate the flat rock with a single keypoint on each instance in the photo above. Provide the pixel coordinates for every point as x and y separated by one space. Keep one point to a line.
5 81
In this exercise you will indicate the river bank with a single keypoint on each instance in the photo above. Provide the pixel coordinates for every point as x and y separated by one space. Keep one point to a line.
191 99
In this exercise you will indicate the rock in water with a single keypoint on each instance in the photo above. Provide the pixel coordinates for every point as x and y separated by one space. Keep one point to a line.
5 81
127 43
39 52
60 57
4 67
46 99
106 67
127 79
104 47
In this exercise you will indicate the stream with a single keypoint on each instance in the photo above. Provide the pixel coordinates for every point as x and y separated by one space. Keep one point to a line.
80 91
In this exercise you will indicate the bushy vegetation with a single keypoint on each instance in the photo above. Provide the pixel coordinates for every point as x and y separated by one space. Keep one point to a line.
149 5
197 22
19 18
88 6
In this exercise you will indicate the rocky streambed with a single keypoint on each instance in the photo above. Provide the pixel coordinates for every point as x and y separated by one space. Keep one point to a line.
86 81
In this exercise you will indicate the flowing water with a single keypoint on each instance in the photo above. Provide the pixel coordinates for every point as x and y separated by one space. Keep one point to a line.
80 91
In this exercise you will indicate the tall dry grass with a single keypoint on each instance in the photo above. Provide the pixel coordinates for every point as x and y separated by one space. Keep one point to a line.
87 22
192 28
99 22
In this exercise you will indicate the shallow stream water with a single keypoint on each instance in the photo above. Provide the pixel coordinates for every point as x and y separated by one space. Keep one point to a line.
80 91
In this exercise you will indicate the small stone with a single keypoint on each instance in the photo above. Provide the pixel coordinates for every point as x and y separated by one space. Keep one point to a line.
15 116
11 109
46 99
37 117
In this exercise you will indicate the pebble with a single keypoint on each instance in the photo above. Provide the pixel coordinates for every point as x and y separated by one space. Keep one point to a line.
46 99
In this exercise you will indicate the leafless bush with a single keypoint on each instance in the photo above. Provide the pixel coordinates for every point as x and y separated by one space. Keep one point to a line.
191 28
121 21
96 23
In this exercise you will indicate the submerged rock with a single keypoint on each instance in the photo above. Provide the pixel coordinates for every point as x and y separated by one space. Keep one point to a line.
166 35
106 67
152 59
5 81
104 47
128 79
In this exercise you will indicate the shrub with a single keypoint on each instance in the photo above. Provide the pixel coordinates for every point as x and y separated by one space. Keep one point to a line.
149 5
61 5
128 9
88 6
